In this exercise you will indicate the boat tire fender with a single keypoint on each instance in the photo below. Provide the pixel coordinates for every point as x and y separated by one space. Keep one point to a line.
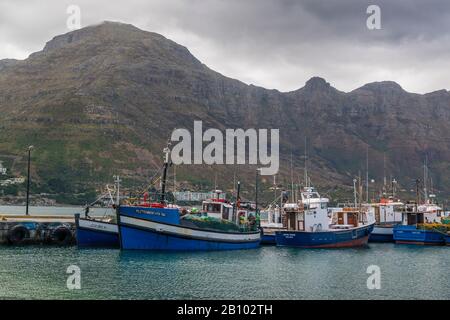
61 235
18 234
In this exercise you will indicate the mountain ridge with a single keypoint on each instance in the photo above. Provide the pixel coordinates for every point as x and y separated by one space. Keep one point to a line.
105 98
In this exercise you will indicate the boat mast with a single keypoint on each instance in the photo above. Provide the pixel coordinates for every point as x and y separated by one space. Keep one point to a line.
367 174
306 168
164 177
237 202
256 196
292 181
384 175
117 181
425 179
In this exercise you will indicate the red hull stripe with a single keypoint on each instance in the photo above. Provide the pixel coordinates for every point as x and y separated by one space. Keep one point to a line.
419 243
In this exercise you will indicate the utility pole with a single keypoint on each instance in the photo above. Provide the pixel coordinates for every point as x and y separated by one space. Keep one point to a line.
28 179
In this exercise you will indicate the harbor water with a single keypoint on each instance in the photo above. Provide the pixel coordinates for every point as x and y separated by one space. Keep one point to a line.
40 272
406 272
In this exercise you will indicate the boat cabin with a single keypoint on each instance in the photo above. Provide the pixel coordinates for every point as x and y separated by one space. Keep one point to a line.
309 214
218 208
345 218
425 213
386 211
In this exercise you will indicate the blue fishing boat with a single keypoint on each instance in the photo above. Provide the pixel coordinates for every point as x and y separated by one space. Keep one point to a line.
421 223
414 235
96 232
310 224
420 226
160 226
447 239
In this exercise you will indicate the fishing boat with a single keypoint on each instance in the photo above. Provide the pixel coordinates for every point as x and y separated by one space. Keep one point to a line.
422 221
309 224
387 213
421 225
161 226
98 232
447 239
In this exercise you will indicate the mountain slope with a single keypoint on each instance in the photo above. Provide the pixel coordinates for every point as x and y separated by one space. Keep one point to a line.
105 99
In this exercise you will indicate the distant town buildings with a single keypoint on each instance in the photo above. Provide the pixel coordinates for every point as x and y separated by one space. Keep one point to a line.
196 196
12 181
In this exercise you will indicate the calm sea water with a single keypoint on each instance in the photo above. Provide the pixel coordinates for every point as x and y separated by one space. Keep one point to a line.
407 272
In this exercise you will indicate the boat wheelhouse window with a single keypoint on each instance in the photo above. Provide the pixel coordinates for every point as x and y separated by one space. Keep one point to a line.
212 207
323 205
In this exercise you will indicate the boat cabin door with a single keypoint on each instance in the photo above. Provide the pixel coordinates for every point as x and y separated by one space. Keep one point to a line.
351 219
377 214
292 221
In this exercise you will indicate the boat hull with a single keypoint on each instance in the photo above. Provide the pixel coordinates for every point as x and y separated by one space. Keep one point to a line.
268 235
356 237
268 239
382 234
412 235
447 240
139 232
96 234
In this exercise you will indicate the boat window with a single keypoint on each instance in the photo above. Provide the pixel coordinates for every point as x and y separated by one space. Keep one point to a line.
212 207
323 205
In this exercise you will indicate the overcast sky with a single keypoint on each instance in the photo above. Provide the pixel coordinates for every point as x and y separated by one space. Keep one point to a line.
272 43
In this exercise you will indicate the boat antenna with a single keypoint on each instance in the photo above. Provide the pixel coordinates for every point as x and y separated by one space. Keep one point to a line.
354 193
166 152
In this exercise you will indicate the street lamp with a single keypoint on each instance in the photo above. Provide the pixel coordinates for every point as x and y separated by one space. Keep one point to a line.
28 179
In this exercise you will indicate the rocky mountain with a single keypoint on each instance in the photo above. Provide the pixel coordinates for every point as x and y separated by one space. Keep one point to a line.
104 100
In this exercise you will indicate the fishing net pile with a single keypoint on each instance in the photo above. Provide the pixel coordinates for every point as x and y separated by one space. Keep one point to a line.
205 222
